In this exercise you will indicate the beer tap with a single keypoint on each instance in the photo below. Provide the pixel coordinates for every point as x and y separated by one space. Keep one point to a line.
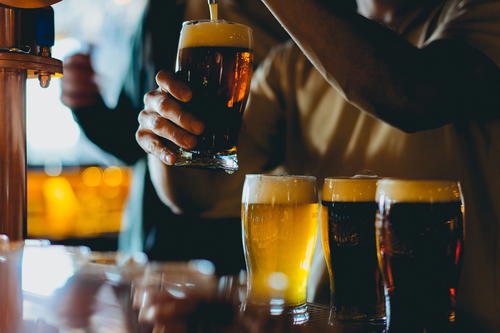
26 38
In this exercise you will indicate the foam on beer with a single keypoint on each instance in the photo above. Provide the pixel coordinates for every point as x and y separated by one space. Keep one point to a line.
402 190
215 33
350 189
261 189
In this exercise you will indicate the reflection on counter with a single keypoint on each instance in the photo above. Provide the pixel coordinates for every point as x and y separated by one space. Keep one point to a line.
77 202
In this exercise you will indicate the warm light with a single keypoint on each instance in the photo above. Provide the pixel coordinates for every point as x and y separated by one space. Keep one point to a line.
92 176
113 176
61 204
78 203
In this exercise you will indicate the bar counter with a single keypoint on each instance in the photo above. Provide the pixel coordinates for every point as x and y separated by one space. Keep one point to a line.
50 289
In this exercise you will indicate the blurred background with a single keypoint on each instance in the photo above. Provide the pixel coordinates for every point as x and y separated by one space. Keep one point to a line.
77 192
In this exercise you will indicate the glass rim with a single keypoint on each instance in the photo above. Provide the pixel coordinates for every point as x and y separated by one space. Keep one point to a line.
192 22
353 178
304 177
390 180
419 190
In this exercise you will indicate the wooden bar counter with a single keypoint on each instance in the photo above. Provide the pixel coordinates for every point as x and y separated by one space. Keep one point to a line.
52 289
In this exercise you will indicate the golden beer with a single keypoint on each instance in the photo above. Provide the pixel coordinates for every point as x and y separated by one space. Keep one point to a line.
280 220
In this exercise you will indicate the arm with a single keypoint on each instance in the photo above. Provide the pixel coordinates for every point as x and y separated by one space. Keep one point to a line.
111 130
209 193
381 73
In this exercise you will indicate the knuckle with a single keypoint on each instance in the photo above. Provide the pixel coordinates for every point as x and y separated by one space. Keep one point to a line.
149 95
177 135
142 116
162 78
181 118
139 135
165 105
157 123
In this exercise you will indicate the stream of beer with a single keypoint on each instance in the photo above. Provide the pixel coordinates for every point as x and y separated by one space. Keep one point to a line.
214 15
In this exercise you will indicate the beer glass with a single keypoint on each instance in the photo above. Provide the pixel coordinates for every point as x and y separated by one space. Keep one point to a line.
215 60
420 239
11 314
280 221
348 238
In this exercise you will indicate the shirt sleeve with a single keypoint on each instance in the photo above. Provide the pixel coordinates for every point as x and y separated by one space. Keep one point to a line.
475 22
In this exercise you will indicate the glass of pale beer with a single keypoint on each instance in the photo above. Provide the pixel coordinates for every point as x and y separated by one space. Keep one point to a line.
420 239
280 221
348 238
214 59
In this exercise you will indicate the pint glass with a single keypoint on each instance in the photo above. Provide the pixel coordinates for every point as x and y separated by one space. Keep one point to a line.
280 221
348 238
215 60
420 242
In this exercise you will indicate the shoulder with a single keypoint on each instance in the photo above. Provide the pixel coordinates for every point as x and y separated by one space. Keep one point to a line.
475 23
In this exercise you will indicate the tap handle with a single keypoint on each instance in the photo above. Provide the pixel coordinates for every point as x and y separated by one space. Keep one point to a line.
44 27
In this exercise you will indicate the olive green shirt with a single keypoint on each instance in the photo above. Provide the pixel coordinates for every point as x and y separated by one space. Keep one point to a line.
299 124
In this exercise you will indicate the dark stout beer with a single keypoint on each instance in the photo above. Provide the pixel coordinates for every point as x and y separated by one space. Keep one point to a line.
420 236
215 60
348 235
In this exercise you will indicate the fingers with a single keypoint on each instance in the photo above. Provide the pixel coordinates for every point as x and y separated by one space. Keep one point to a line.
78 84
168 83
152 144
164 118
168 108
79 60
166 129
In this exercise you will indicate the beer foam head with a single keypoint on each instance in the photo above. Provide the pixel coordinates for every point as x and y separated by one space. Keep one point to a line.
403 190
262 189
350 189
215 33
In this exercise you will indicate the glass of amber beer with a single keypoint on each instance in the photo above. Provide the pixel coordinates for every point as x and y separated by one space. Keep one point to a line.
215 60
348 238
420 237
280 221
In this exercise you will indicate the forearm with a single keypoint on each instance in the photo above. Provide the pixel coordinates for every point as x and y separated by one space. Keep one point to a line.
111 130
189 191
377 70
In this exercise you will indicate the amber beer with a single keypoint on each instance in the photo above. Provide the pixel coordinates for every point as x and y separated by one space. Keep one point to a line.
280 220
420 239
348 238
215 60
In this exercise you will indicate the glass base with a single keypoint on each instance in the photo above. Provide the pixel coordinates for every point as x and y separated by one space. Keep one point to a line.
294 315
227 161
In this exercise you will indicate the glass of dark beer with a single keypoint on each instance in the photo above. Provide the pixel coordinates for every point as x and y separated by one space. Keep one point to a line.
420 240
215 60
348 237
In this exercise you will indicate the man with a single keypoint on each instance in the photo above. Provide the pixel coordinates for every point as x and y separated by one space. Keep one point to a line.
150 226
404 88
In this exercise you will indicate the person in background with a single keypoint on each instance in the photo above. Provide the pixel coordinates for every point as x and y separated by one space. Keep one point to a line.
408 89
149 225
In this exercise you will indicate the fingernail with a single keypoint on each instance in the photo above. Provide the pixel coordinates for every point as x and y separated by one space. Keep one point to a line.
189 141
167 158
186 94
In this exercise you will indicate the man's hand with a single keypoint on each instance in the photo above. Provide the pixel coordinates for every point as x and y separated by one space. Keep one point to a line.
164 118
79 89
